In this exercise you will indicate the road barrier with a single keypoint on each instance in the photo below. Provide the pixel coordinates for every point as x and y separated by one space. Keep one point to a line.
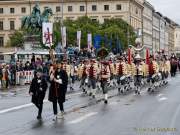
24 77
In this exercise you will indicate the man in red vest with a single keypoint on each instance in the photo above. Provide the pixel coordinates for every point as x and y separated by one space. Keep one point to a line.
92 76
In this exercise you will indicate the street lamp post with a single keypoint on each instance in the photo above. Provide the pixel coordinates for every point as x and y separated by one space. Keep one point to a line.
86 8
30 6
62 13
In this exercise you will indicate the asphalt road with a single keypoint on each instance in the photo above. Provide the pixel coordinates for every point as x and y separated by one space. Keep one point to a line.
148 114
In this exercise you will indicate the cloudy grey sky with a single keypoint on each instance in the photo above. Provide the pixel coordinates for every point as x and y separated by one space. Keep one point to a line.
169 8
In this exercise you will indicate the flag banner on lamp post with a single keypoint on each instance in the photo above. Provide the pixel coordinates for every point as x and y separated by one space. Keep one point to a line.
89 41
97 41
63 34
47 33
79 39
106 41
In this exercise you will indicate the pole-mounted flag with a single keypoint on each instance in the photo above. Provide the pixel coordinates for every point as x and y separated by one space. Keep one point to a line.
129 56
89 41
63 34
79 39
47 33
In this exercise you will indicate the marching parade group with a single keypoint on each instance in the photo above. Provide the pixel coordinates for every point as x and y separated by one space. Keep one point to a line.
103 75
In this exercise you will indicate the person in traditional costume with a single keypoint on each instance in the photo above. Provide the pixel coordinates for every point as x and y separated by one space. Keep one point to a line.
73 74
104 79
92 77
83 75
138 74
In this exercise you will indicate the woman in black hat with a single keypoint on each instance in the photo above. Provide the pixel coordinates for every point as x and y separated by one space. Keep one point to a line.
37 90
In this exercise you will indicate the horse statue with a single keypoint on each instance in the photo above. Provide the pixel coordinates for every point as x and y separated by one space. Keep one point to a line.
35 20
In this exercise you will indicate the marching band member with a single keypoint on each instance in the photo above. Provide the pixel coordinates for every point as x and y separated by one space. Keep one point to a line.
144 68
67 67
120 69
73 74
92 76
153 69
112 72
104 78
138 73
167 66
162 64
82 73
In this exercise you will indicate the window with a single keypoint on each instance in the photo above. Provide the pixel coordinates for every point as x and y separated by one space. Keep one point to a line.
58 9
70 9
1 57
23 10
106 7
94 7
136 11
1 11
1 41
118 7
94 19
1 25
69 18
81 8
12 27
11 10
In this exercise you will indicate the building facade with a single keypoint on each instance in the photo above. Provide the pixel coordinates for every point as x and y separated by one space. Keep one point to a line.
171 34
11 12
162 32
148 25
166 41
177 39
156 32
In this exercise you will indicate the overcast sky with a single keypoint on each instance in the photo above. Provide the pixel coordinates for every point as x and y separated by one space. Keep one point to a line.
169 8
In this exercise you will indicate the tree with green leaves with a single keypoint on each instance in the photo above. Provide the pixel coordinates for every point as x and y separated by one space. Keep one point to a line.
113 29
16 40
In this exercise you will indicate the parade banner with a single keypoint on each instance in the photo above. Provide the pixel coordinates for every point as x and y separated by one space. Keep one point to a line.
129 56
63 34
147 56
47 32
97 41
89 41
79 39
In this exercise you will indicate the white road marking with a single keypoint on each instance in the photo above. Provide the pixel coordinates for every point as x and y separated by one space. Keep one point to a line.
18 107
30 104
83 118
160 95
113 103
162 99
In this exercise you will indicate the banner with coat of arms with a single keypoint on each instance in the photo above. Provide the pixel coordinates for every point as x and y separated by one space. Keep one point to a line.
47 32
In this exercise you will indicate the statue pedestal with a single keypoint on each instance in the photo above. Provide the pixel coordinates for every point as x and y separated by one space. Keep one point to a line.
28 46
31 41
